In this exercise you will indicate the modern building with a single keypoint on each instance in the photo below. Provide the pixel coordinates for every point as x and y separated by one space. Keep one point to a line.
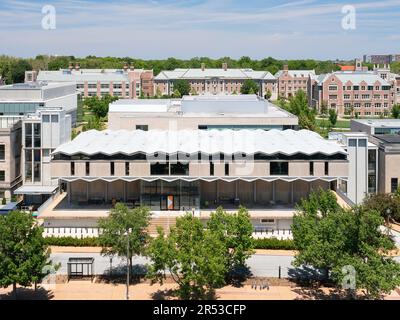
389 159
376 126
385 134
42 133
127 83
224 81
24 98
173 172
382 58
291 81
10 155
199 112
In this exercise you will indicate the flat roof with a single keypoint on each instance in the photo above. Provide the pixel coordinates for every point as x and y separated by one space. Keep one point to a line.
33 189
379 122
202 106
40 85
389 138
193 141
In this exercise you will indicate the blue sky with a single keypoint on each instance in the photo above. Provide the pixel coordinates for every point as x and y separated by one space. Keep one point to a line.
186 28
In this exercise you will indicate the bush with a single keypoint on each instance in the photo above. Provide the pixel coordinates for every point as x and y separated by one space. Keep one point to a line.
72 242
274 243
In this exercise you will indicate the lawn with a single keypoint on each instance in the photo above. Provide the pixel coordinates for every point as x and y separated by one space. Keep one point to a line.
340 124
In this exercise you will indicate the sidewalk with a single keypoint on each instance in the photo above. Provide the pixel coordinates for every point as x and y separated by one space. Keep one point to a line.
55 249
86 290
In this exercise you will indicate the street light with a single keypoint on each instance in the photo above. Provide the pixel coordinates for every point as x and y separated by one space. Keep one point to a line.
127 262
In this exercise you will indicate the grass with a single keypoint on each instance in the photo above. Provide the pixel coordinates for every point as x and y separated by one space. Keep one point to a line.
340 124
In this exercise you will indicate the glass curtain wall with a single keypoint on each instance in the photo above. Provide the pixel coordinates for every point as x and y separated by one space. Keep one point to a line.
160 195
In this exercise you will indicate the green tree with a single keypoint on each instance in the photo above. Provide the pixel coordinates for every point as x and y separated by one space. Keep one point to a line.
323 109
268 95
249 87
123 225
99 106
388 205
332 117
298 105
396 111
235 231
330 238
182 86
23 252
194 257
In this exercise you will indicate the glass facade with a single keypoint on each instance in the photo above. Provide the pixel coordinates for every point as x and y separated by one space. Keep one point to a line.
33 157
372 170
177 195
18 108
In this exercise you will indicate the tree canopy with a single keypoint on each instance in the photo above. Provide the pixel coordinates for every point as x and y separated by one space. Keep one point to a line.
202 259
123 224
249 87
182 86
23 252
333 239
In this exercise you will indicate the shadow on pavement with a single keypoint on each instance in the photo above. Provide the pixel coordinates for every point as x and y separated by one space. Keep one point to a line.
28 294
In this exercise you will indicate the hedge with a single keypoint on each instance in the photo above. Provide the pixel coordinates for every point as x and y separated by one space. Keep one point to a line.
274 243
270 243
72 242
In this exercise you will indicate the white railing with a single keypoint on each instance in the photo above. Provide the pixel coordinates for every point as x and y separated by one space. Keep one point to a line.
74 232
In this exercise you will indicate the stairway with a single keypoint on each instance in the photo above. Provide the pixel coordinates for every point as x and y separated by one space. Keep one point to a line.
163 222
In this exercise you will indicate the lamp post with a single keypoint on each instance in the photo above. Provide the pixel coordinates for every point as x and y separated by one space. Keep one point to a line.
127 264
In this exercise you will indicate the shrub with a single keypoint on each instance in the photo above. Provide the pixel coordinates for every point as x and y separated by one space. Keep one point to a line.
72 242
274 243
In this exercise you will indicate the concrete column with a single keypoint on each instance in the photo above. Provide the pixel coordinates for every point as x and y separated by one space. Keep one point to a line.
106 192
273 190
236 188
292 192
255 191
69 192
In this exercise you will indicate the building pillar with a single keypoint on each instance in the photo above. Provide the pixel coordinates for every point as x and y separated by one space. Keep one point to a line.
255 191
106 192
236 188
273 191
69 192
292 192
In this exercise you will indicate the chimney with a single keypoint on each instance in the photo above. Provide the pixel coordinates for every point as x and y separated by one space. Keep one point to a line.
77 66
126 67
225 66
132 67
203 66
71 66
286 67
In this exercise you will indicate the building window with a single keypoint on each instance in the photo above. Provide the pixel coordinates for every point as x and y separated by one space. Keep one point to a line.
159 169
179 169
87 168
28 135
326 168
311 168
2 152
227 169
36 135
2 175
143 127
211 168
46 118
127 168
112 168
54 118
72 168
394 184
279 168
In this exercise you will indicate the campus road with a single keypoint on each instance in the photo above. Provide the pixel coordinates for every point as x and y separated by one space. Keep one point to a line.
260 265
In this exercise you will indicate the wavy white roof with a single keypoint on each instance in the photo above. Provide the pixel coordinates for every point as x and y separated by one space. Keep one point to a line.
192 141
